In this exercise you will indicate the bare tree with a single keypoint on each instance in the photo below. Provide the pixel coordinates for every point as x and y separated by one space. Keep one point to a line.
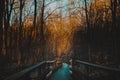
35 12
42 42
114 27
2 10
21 30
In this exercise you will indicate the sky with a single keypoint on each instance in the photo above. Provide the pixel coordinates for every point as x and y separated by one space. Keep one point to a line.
50 7
29 7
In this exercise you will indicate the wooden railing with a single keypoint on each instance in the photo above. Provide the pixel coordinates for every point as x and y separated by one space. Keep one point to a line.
93 71
37 71
99 66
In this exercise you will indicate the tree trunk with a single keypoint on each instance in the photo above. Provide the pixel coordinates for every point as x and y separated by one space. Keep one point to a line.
35 15
42 42
88 35
20 32
2 5
114 28
2 10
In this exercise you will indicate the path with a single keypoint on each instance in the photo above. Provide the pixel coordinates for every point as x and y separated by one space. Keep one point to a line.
63 73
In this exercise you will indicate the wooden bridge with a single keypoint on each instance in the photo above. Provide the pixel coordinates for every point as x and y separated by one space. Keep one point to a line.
73 70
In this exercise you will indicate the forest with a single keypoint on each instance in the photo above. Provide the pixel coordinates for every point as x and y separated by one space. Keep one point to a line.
36 30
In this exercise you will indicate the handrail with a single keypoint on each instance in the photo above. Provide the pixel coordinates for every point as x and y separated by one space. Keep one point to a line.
50 61
99 66
27 70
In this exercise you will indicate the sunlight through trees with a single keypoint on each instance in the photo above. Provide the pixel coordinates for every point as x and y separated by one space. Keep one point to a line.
37 30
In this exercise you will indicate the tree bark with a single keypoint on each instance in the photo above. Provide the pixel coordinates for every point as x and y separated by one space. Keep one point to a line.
88 35
42 42
2 9
114 28
21 32
35 12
